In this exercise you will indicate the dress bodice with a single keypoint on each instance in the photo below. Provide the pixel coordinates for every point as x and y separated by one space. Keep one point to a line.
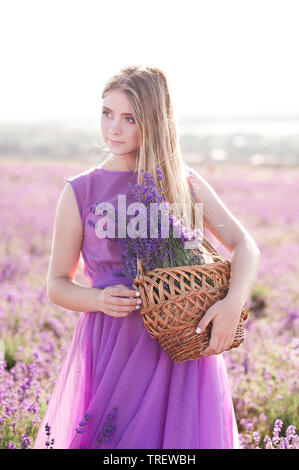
92 188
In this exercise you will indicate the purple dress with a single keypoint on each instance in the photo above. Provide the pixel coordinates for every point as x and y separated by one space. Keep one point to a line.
135 396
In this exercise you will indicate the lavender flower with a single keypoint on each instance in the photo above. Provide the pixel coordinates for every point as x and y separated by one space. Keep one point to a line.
106 433
159 252
25 442
256 437
80 430
48 432
11 445
276 431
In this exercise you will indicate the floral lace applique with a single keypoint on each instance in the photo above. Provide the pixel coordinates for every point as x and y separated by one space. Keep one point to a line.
49 444
92 222
105 434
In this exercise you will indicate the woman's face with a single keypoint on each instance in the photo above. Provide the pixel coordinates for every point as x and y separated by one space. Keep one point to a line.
118 124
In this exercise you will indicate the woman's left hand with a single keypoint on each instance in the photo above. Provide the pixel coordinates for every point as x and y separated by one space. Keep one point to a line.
225 314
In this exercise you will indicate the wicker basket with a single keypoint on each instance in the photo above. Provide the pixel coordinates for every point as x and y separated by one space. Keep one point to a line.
173 303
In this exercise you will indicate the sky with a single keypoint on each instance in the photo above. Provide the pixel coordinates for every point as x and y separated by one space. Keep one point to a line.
221 57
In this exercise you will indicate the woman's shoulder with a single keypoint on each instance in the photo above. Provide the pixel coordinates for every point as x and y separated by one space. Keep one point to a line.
195 176
191 174
82 175
200 186
82 184
190 170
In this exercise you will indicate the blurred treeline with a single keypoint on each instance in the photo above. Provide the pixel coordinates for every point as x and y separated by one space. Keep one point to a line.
258 142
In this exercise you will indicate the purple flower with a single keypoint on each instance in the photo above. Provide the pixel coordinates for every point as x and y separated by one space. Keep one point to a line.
25 442
48 432
11 445
91 223
106 433
158 251
276 431
80 430
256 437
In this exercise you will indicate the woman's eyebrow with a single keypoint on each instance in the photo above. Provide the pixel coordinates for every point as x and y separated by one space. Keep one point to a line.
123 114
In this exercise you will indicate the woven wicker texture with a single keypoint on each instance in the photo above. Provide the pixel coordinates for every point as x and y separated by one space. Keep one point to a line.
175 299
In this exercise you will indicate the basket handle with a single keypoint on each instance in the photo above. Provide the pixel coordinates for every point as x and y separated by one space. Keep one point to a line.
215 255
140 272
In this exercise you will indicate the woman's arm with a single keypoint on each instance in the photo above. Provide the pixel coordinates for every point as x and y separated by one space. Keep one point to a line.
244 265
232 234
244 270
62 289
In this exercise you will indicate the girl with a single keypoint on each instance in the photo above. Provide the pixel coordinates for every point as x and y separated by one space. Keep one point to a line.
117 388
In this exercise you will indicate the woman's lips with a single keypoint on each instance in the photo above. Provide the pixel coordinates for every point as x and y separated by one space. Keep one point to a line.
115 142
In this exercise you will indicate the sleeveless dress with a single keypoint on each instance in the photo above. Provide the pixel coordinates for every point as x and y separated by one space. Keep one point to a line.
116 380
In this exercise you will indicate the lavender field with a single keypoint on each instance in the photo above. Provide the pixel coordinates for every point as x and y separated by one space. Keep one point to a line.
35 334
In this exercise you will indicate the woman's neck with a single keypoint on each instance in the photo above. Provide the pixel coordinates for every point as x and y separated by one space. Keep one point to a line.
120 164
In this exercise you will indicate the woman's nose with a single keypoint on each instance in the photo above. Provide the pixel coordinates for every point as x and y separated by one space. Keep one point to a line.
114 132
114 128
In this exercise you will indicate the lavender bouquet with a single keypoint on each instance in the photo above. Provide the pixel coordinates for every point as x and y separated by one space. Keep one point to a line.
157 252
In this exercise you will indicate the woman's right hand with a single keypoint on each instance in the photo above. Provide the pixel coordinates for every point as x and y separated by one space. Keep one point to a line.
118 300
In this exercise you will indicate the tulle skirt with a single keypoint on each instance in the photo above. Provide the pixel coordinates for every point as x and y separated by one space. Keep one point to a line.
118 389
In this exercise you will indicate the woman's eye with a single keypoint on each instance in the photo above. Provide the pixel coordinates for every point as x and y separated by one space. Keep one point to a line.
131 122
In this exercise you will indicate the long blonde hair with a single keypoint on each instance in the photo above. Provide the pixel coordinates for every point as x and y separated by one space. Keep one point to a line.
147 90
